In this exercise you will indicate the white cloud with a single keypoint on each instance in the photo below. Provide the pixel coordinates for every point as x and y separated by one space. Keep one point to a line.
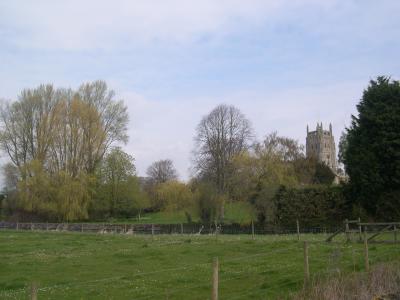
88 24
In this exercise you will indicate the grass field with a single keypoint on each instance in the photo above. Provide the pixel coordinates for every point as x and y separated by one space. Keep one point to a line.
237 212
93 266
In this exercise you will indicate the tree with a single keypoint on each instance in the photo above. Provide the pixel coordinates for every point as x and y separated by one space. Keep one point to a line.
372 155
175 196
56 138
11 176
310 171
342 147
162 171
27 125
63 129
208 201
119 187
221 135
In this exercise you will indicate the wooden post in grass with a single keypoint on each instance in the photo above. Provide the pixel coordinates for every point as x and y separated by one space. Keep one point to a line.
181 228
34 291
347 230
17 226
298 229
214 293
395 233
152 230
366 257
359 230
306 265
252 229
216 229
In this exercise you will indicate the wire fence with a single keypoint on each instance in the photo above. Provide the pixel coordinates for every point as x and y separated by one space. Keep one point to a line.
183 228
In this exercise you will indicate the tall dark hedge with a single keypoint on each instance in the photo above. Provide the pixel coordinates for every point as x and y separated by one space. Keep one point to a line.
372 155
315 206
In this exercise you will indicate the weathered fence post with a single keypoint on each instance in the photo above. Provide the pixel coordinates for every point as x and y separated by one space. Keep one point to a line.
34 291
395 233
298 229
252 229
152 230
359 230
216 229
214 293
181 228
366 251
347 230
306 265
17 226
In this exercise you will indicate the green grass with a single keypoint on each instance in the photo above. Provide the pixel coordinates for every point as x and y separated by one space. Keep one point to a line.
161 217
92 266
237 212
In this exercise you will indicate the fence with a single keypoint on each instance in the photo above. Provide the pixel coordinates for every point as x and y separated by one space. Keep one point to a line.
183 228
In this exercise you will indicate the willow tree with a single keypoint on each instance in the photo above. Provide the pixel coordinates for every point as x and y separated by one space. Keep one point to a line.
67 133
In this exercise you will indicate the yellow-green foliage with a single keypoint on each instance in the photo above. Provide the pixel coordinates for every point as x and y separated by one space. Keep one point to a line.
174 196
58 196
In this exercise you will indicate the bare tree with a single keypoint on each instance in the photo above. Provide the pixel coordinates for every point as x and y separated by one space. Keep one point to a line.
27 125
63 129
11 176
111 114
221 135
162 171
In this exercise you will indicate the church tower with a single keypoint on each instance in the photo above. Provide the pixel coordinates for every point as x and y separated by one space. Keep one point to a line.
321 145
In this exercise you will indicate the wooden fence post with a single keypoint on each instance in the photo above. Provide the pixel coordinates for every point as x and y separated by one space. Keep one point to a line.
395 233
359 230
347 230
214 294
181 228
298 229
34 291
152 230
366 252
306 265
216 229
252 229
17 226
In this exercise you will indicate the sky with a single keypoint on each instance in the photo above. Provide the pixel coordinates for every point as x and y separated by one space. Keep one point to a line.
283 63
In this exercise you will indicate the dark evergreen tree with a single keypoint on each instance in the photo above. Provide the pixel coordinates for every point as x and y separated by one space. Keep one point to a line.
372 155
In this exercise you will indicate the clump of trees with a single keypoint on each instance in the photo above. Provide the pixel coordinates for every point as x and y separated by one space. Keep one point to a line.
66 163
56 140
231 166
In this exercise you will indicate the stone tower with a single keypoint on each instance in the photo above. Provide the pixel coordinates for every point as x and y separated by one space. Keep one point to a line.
321 144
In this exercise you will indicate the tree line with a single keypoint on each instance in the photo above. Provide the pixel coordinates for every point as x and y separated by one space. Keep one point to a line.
66 163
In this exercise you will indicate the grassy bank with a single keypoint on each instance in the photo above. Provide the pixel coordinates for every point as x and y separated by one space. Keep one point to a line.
92 266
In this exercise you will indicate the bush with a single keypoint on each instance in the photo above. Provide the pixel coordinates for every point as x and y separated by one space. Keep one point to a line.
313 206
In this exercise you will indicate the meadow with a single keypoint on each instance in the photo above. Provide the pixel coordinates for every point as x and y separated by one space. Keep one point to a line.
68 265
